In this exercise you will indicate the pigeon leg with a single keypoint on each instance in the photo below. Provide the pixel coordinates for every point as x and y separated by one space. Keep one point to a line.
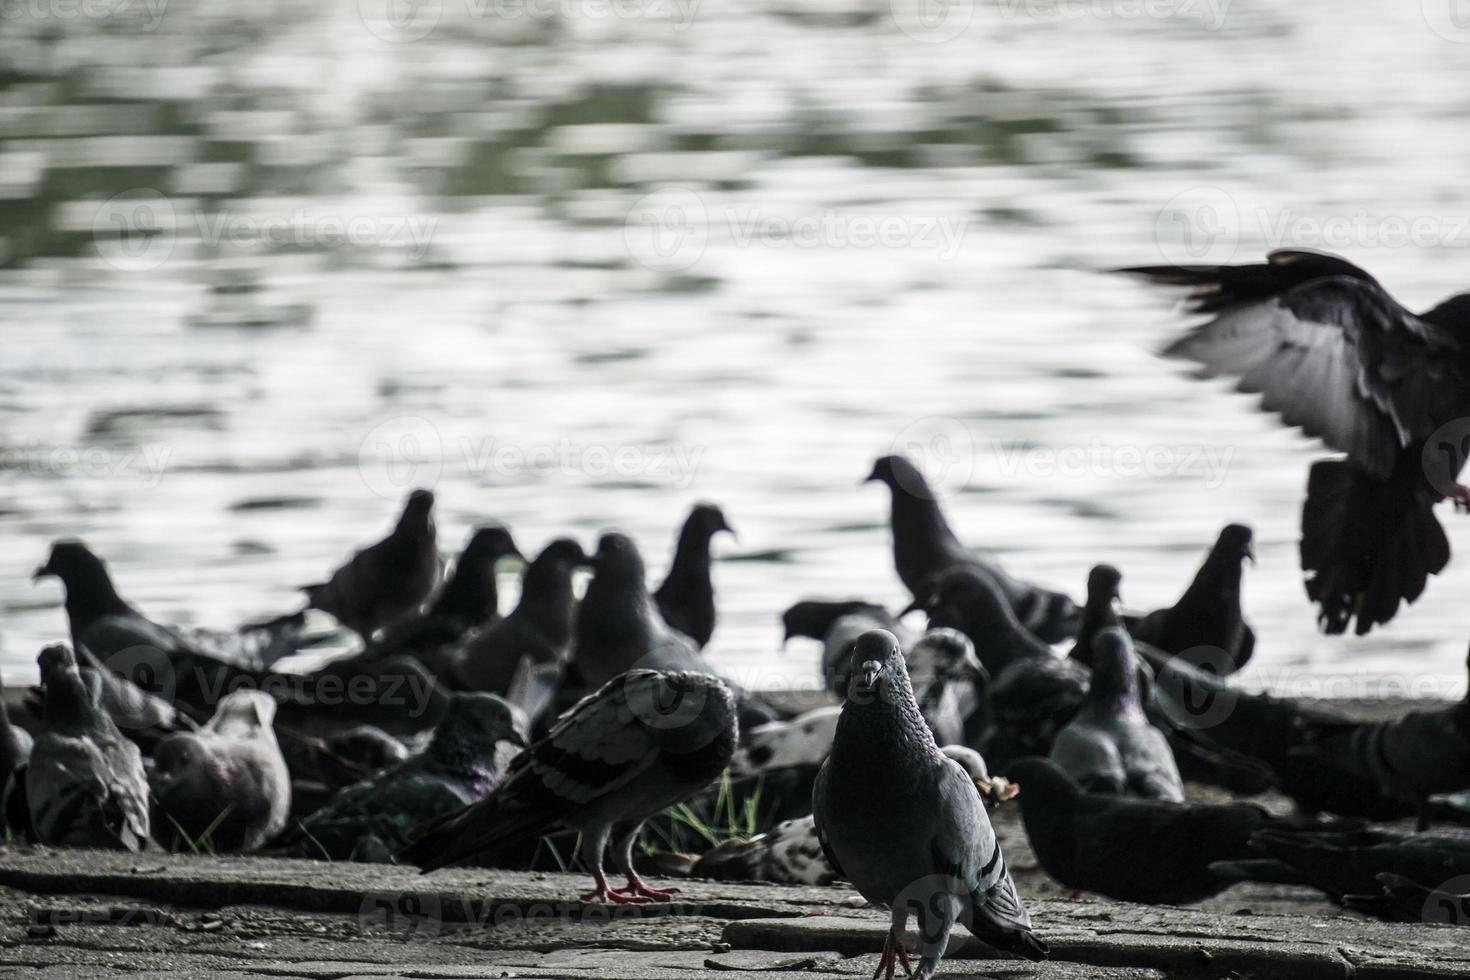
594 842
622 856
893 953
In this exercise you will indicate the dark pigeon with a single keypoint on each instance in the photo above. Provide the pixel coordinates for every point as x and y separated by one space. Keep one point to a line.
1032 692
645 741
1135 850
619 629
469 599
464 761
388 581
1209 613
1110 746
1099 610
15 751
85 784
1331 352
925 546
838 624
686 599
906 825
1348 863
322 765
1413 757
538 630
224 788
103 623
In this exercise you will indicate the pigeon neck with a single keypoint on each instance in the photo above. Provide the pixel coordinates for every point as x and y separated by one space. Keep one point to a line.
1115 681
547 599
921 534
1098 614
886 729
617 611
471 594
689 575
1216 582
92 596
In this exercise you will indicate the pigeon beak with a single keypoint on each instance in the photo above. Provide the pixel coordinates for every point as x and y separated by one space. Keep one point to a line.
42 572
972 669
869 672
1250 553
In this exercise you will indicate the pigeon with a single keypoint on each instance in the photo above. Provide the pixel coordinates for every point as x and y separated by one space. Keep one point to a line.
1340 863
84 785
1271 730
1099 610
805 740
1331 352
465 761
322 765
105 624
1032 692
386 582
947 679
686 599
538 629
469 599
924 546
1110 746
837 624
15 749
1152 851
787 854
226 787
994 790
644 741
619 629
1412 757
906 825
1209 613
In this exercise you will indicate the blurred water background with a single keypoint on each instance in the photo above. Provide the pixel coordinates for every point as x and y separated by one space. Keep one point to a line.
580 263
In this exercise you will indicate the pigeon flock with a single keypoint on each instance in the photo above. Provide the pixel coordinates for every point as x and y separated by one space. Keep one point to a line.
456 733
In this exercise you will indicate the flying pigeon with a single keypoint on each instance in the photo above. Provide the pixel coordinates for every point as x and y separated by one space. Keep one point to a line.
837 624
84 785
388 581
1110 746
538 629
1331 352
686 599
225 787
906 825
1209 613
373 819
924 546
644 741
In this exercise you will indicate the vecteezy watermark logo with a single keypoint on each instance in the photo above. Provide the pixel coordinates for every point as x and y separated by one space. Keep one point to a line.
147 14
668 701
1450 19
1199 226
667 231
413 915
932 21
1444 456
146 670
146 463
1209 13
1449 903
941 449
135 231
401 453
1192 688
1206 463
399 21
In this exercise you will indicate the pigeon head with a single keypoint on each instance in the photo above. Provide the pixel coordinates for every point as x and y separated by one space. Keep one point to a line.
812 618
69 699
476 722
418 513
562 552
618 558
1235 543
242 713
88 586
878 668
1045 786
898 474
1103 585
489 545
707 520
367 748
947 654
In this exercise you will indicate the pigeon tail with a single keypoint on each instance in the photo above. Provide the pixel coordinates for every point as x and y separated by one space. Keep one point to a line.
1367 544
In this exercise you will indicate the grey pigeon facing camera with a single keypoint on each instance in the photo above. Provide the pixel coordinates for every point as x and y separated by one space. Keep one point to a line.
905 824
84 785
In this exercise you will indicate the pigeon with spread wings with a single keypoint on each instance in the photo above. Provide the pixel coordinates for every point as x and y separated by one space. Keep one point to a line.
1332 353
641 743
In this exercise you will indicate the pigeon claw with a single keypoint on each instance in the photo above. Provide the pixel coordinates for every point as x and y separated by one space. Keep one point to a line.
613 896
893 955
640 890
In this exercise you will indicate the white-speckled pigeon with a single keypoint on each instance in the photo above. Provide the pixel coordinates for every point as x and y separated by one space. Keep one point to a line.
641 743
837 624
906 825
